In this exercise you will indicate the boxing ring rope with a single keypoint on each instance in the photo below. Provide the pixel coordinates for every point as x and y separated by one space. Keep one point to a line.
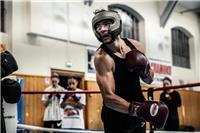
149 91
177 86
37 128
60 92
97 92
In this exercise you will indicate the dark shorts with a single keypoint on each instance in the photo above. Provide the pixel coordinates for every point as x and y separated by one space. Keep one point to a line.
115 122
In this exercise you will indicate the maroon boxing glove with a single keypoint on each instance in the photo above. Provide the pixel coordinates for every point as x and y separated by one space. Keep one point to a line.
137 61
155 112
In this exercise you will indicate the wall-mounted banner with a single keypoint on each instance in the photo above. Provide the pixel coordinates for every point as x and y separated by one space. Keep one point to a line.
161 70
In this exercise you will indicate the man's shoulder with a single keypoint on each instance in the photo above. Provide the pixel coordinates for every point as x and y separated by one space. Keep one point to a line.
101 56
100 53
176 92
133 41
138 45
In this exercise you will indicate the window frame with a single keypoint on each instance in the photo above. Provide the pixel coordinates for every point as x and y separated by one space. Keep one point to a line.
180 49
135 25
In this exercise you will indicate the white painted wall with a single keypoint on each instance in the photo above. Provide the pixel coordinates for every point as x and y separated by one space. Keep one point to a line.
190 22
37 55
5 37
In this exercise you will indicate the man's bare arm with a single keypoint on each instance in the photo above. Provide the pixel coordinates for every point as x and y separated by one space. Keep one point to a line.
105 80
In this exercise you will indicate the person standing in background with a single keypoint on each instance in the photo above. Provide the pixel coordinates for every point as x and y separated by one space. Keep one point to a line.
172 99
53 112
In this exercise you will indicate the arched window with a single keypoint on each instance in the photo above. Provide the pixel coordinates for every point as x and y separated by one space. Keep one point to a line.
180 48
130 27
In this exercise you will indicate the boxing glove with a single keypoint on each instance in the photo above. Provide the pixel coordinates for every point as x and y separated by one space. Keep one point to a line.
11 90
49 96
8 64
75 98
58 96
137 61
155 112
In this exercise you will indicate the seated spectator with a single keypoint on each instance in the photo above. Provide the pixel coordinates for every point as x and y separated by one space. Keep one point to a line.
73 107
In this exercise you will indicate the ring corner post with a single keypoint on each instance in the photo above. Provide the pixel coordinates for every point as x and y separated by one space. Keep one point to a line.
150 97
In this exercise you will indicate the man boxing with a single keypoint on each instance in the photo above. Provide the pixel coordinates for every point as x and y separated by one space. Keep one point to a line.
120 63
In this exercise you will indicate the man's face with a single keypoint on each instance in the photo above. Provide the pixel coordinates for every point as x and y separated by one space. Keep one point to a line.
167 83
55 81
103 29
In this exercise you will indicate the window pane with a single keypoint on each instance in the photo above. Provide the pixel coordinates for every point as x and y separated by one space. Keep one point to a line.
180 48
129 24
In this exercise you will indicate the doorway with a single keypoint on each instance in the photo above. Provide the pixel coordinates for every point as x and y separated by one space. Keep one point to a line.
64 75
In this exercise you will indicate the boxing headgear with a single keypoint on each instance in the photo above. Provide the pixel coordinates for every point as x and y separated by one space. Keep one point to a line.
115 28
